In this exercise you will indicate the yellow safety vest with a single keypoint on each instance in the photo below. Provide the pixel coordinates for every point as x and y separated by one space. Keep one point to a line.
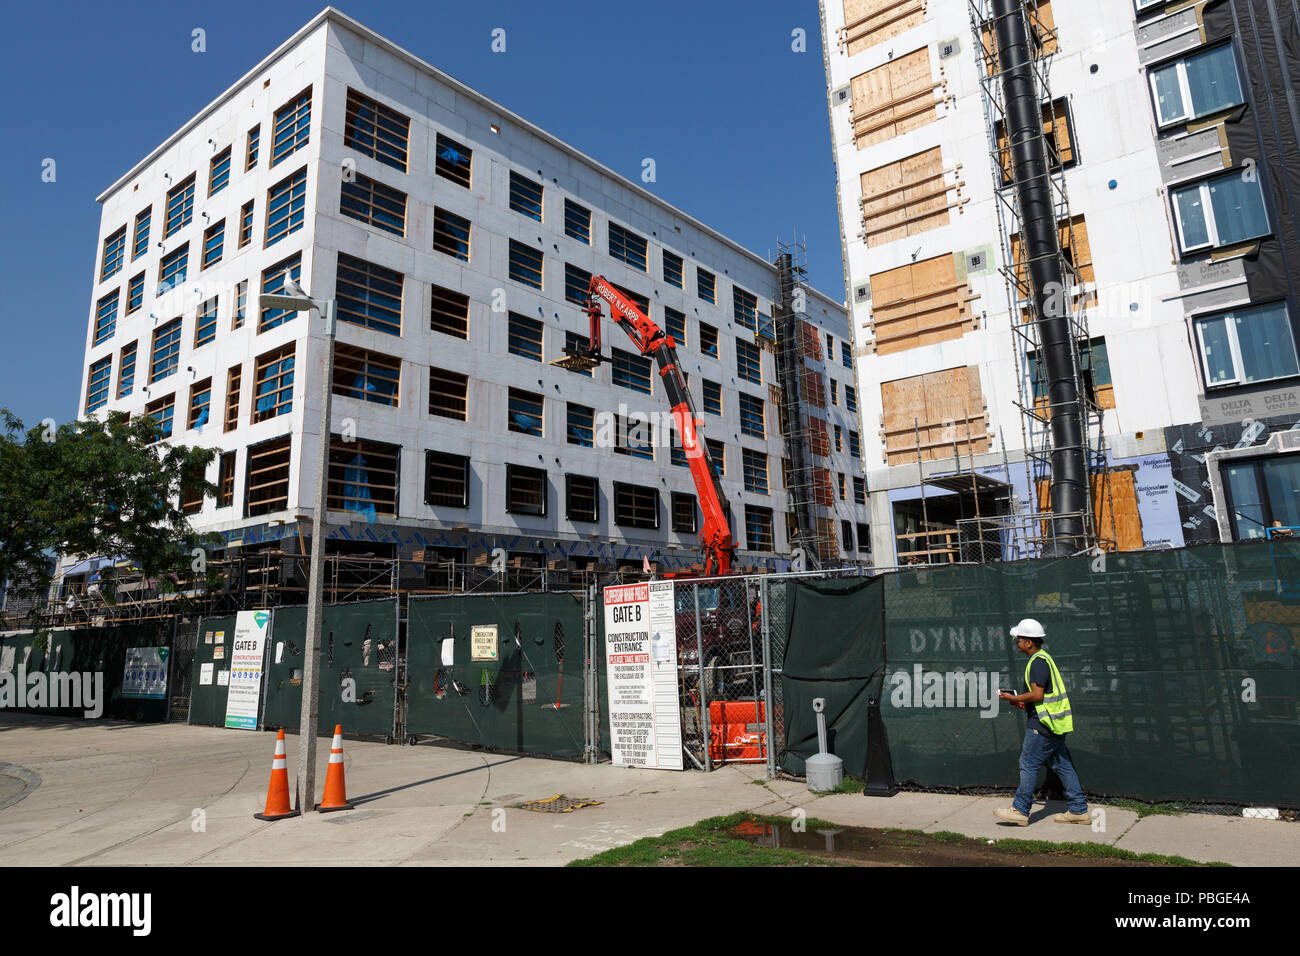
1054 709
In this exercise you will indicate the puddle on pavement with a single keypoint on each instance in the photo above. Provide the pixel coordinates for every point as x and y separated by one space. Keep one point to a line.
861 846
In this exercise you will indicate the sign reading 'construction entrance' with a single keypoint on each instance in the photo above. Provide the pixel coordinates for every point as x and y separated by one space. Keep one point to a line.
641 659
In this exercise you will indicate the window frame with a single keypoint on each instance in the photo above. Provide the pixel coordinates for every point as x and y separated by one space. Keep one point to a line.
99 381
181 215
219 166
295 111
530 404
678 271
701 285
524 471
1234 345
1211 223
449 461
623 250
375 303
286 207
383 119
516 325
373 203
525 264
526 196
570 480
281 404
577 221
626 521
443 227
1179 63
448 168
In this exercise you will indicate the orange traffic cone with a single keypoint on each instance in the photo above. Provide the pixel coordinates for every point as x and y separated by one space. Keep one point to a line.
277 792
336 792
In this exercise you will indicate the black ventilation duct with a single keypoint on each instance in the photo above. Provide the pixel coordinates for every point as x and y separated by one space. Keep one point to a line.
1042 251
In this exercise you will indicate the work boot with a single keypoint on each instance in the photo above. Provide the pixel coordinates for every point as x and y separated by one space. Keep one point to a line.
1011 815
1068 817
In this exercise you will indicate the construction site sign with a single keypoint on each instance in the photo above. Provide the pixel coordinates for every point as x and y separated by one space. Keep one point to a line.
483 642
245 693
144 676
641 660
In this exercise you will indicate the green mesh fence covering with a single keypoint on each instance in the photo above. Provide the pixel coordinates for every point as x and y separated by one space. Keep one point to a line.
86 652
831 646
358 657
214 636
529 700
1182 668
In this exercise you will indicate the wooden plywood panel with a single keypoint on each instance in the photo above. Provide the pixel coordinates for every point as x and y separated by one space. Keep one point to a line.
1116 508
919 304
913 86
884 204
869 22
1075 246
933 415
1056 126
927 193
904 198
894 98
1042 33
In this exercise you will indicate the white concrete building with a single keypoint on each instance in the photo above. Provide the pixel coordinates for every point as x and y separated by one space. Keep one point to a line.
458 240
914 141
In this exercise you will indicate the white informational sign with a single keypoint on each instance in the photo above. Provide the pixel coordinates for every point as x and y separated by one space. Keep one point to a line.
448 651
483 642
205 674
641 656
144 677
246 669
223 678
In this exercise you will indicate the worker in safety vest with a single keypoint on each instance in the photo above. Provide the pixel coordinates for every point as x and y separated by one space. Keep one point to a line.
1048 707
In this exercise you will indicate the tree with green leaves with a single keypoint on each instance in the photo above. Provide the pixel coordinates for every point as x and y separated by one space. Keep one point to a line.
96 489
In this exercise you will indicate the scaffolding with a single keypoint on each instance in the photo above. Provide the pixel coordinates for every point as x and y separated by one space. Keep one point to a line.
807 477
1032 531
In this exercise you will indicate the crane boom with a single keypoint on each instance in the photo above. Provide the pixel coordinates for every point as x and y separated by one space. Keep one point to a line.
652 341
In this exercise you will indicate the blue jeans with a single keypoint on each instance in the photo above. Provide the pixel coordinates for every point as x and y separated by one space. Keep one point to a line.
1041 749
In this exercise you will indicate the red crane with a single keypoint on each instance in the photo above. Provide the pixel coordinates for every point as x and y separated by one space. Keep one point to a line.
652 341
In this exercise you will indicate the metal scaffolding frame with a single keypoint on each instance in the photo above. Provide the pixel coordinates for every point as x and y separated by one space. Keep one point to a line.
1031 534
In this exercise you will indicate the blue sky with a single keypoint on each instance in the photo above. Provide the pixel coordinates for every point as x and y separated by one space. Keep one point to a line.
734 118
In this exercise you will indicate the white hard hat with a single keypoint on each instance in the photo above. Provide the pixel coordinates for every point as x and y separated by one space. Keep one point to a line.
1029 628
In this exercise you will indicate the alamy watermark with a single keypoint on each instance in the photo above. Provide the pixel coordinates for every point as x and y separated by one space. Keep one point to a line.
82 691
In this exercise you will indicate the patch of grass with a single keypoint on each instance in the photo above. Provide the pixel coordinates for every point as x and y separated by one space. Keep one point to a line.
1101 851
1172 809
850 785
947 836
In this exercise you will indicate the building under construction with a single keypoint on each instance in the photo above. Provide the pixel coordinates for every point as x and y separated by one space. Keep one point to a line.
458 241
1066 254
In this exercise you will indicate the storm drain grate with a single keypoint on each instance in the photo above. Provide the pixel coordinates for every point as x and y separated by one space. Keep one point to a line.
559 804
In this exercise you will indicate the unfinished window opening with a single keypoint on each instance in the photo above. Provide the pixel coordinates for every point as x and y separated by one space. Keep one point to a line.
451 234
446 480
582 498
449 313
1059 133
525 264
577 222
273 384
267 480
635 506
525 490
684 517
525 196
377 131
366 375
448 394
758 529
234 379
453 160
370 201
363 476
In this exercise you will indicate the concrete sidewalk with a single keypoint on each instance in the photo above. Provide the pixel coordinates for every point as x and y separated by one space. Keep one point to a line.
107 793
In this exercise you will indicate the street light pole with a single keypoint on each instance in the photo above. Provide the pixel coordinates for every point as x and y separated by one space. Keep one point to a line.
298 301
316 594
